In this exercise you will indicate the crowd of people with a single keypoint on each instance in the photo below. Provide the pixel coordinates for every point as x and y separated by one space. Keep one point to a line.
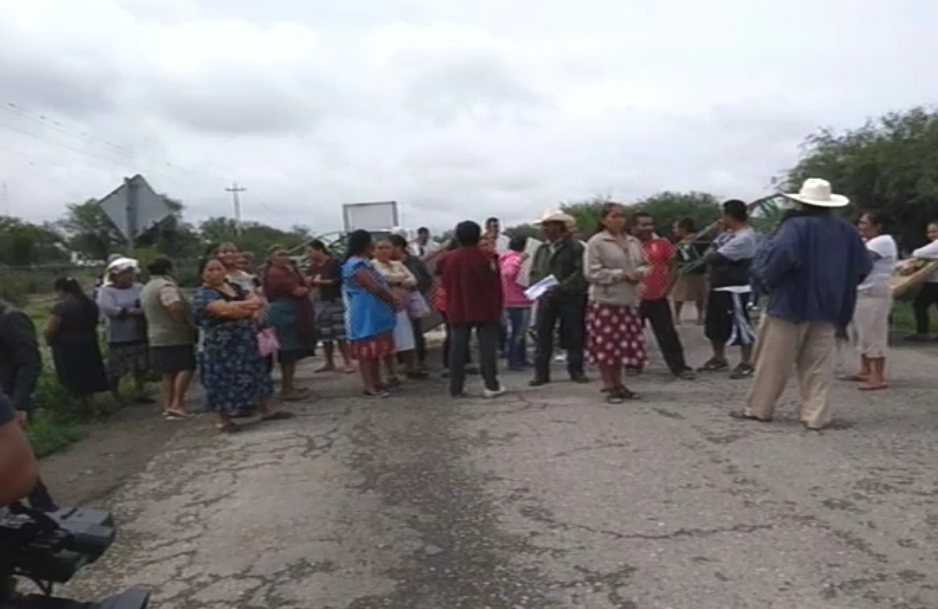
822 283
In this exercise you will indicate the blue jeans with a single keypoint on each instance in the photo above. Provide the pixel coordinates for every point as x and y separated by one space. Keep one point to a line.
519 319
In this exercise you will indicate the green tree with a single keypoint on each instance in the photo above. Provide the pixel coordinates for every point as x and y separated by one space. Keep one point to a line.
89 232
251 236
24 243
890 163
667 208
173 236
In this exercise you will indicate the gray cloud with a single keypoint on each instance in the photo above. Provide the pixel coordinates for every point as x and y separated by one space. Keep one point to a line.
453 108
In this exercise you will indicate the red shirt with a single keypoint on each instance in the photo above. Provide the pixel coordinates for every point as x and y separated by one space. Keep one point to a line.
659 254
473 287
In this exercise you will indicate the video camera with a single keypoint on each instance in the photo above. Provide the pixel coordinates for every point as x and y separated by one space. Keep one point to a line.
49 549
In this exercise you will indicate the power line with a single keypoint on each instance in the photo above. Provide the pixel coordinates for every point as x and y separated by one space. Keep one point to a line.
125 153
22 112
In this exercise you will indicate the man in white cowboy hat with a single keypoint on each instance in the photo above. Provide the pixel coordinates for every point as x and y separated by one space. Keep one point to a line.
565 305
810 267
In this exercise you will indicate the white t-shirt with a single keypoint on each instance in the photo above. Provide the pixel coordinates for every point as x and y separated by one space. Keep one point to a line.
928 252
422 250
501 243
887 254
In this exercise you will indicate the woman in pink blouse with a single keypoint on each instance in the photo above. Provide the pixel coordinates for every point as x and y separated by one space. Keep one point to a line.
517 306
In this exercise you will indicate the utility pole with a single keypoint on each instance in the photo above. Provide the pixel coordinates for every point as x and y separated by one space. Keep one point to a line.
236 191
131 211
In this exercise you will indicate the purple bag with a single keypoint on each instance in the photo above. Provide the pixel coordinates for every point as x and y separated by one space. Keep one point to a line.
417 306
268 342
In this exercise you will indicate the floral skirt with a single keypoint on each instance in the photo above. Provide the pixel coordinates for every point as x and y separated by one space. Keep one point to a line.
373 347
127 358
616 337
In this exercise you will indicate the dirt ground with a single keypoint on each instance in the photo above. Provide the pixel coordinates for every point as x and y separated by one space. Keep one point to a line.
89 471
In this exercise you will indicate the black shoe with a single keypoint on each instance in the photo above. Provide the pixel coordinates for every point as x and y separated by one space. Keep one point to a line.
742 371
538 382
579 378
714 364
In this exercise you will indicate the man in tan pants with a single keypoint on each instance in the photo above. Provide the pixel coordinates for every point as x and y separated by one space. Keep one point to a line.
810 267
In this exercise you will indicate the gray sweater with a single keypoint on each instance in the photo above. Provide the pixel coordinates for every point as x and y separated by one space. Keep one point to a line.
120 328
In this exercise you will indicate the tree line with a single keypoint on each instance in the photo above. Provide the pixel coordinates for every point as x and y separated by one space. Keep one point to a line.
86 235
889 163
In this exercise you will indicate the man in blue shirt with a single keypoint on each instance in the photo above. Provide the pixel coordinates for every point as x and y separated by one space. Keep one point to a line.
810 268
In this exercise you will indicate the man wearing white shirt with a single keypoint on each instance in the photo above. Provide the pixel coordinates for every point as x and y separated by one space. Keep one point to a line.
928 294
493 232
423 245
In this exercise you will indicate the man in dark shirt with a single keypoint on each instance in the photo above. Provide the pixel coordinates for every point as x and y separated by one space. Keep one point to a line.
20 366
727 320
564 305
473 288
810 268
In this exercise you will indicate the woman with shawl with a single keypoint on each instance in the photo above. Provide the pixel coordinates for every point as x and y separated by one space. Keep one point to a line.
291 313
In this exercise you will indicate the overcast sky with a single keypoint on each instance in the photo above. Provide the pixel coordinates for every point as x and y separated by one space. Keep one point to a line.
455 108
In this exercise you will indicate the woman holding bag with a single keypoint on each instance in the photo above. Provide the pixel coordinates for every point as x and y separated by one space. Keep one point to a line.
230 367
402 283
418 305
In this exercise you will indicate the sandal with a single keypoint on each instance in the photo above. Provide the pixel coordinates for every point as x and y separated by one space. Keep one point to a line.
744 416
612 396
280 415
298 395
376 393
172 415
228 427
867 387
855 378
714 365
624 393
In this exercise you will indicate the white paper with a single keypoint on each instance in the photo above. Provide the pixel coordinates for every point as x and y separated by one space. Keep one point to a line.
541 287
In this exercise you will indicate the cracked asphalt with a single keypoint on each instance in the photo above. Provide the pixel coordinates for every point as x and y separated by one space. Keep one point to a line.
544 498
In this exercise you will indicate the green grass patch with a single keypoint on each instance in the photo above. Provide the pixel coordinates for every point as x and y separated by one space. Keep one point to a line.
903 317
57 422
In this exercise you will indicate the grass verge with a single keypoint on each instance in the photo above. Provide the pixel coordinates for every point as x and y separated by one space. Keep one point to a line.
56 421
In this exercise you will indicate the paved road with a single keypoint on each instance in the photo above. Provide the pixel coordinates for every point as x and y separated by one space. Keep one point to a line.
545 498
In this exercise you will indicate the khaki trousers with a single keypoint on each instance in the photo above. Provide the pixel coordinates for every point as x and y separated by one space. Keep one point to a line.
810 346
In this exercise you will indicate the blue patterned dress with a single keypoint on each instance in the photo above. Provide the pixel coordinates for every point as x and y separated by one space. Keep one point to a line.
230 366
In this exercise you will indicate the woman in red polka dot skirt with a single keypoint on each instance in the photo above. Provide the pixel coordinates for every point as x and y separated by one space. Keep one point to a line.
614 266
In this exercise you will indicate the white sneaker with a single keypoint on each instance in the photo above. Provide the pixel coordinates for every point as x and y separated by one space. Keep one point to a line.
494 393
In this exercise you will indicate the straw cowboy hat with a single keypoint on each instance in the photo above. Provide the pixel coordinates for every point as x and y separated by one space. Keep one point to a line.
817 192
558 216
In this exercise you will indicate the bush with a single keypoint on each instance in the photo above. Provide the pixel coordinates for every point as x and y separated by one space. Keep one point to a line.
15 288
